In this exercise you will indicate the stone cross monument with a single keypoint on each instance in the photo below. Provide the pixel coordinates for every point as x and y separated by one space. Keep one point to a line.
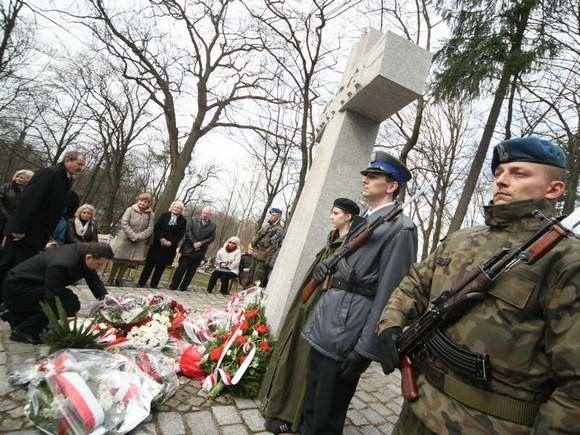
384 73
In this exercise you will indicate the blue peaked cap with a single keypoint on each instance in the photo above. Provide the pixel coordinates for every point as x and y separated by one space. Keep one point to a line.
385 163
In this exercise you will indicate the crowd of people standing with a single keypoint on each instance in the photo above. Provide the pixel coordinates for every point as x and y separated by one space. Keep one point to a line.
41 220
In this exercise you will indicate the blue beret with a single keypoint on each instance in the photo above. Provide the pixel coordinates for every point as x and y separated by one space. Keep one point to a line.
275 210
385 163
528 149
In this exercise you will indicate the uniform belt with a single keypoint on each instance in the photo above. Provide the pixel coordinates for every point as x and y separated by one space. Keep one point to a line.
487 402
358 288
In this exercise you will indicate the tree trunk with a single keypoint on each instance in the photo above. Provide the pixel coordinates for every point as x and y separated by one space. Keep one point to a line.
303 149
508 71
412 140
573 171
177 170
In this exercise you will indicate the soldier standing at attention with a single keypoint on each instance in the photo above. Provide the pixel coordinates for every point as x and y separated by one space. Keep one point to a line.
528 324
263 245
341 328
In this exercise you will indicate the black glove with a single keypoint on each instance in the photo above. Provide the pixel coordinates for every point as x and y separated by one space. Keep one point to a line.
321 270
354 365
388 349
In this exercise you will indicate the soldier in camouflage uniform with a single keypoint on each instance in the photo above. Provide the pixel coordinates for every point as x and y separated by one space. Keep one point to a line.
263 246
528 324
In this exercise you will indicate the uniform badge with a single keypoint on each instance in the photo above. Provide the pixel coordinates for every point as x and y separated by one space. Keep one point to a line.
502 154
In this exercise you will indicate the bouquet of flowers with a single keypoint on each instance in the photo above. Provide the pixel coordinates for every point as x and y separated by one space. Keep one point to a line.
89 391
204 328
238 356
152 322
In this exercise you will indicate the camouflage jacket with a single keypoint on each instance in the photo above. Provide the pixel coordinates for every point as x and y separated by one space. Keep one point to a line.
529 324
265 241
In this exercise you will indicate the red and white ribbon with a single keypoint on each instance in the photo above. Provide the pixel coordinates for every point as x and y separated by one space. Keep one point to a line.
249 349
86 407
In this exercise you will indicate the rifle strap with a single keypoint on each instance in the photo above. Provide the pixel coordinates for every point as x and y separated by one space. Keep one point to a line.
487 402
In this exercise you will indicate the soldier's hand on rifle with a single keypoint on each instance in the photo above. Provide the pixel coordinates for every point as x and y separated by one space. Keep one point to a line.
388 352
354 365
320 271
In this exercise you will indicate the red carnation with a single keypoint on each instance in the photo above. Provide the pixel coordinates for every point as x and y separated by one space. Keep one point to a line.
265 346
262 329
216 354
251 313
241 340
244 326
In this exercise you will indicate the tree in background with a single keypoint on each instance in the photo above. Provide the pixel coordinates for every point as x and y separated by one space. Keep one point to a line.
491 43
294 37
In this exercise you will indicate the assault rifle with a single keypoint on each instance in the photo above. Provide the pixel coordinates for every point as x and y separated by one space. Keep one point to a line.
426 331
359 239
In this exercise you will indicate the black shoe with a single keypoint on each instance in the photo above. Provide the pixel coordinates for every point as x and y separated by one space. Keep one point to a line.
23 337
172 287
183 289
277 426
209 290
119 282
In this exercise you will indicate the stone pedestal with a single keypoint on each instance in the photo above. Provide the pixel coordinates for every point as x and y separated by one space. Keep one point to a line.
385 73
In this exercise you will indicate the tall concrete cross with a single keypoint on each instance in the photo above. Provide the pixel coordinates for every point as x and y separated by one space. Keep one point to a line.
384 73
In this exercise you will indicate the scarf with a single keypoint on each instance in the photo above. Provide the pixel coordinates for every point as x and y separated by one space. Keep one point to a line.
80 228
173 220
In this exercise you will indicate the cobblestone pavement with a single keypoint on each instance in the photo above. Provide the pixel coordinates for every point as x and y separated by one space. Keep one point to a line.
373 410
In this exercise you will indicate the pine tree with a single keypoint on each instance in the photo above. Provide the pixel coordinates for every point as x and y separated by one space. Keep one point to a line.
491 42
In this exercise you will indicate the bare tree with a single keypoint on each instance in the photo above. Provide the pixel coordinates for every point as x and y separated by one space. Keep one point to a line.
118 116
294 37
413 20
209 69
440 156
60 119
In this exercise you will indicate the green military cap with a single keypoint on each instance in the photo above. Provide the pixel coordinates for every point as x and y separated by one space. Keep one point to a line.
528 149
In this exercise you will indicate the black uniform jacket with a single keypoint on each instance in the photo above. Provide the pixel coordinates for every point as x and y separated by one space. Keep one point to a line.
49 272
41 205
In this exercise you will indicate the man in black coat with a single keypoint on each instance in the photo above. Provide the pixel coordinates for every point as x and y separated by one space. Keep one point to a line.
41 205
44 277
199 234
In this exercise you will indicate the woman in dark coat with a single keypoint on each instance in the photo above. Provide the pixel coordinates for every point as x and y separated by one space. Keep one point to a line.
168 231
284 385
10 195
82 228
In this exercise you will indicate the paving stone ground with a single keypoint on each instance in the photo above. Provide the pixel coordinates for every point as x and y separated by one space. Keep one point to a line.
373 410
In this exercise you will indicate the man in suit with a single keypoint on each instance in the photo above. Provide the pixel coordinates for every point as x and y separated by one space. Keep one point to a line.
41 206
46 276
199 234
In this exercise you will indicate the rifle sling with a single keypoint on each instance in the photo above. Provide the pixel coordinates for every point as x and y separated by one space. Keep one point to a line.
487 402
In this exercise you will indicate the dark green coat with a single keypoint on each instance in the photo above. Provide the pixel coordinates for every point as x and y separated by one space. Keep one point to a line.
284 384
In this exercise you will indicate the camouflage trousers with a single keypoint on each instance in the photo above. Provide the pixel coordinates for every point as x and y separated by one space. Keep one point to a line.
260 270
408 423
